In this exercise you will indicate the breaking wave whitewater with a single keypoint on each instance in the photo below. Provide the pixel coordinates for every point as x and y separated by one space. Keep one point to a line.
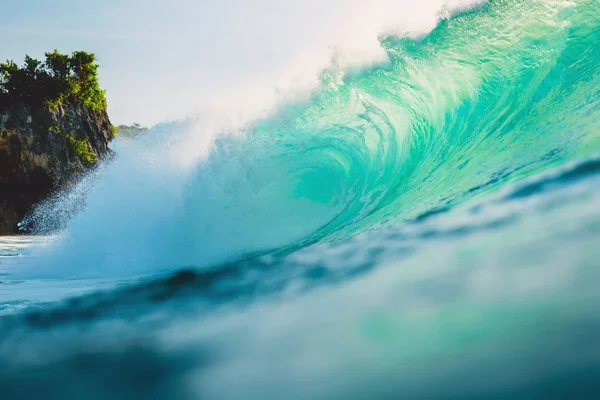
490 96
425 227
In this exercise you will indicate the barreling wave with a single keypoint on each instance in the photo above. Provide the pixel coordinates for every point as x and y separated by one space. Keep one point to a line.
492 95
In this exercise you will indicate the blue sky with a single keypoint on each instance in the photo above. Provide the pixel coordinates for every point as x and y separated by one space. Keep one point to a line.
161 59
164 59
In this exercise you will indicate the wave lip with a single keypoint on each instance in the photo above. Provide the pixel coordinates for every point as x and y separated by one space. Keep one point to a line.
481 100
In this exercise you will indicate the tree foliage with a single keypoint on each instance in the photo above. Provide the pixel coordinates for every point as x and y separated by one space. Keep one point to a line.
61 79
129 131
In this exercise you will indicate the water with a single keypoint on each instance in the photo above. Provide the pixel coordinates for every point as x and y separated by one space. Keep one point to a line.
427 227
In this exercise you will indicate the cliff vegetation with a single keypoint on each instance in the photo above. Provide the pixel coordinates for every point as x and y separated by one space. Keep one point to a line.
61 79
53 127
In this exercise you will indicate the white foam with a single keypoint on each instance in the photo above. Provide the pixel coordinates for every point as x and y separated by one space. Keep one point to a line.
160 206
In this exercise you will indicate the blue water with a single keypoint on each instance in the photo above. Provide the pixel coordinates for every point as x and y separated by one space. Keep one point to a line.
423 228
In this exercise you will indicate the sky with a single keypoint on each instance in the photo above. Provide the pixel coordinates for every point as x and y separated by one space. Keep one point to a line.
164 59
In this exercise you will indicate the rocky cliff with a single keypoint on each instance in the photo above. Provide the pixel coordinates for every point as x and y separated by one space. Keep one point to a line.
43 149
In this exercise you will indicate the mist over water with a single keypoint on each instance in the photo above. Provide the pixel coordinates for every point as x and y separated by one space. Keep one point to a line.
248 177
416 217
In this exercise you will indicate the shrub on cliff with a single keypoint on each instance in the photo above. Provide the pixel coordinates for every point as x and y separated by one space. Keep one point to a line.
129 131
61 79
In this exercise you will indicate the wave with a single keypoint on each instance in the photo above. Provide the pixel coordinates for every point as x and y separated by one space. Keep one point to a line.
491 95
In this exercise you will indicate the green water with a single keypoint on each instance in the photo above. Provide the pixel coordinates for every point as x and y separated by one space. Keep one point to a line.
424 228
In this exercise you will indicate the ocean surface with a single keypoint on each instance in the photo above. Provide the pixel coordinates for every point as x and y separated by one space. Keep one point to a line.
427 227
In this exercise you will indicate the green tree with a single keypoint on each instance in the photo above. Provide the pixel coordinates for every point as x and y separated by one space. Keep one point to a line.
85 83
57 83
60 79
58 64
11 79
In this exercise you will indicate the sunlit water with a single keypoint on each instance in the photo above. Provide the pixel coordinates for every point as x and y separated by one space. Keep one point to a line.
427 228
497 298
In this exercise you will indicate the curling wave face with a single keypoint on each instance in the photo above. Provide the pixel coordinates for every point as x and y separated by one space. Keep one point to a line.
490 96
427 226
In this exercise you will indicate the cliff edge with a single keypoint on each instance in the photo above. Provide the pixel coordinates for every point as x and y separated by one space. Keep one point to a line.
53 126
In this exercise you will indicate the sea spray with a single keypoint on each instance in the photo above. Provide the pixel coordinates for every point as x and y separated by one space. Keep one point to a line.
436 219
488 96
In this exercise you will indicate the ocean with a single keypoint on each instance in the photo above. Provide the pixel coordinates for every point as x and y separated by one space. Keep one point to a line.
426 227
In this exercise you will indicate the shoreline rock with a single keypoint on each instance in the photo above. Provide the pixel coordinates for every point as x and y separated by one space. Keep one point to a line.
42 150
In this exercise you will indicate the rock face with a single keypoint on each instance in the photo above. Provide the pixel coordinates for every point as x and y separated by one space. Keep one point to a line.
42 150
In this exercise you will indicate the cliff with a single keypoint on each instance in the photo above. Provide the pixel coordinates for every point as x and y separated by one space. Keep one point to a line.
44 144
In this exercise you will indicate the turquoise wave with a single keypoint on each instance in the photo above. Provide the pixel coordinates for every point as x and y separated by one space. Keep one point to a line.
494 299
490 96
